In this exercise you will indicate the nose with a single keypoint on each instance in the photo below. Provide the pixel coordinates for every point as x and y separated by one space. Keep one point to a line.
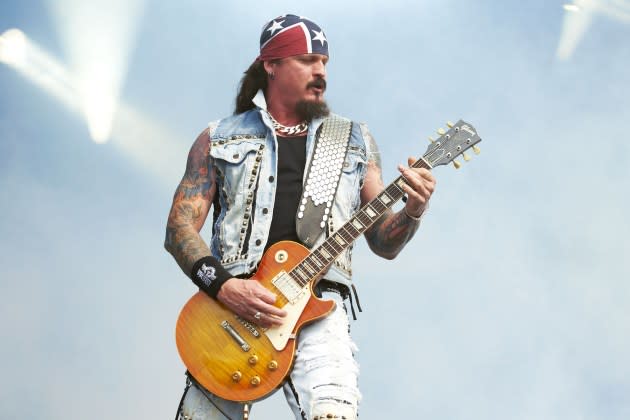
319 69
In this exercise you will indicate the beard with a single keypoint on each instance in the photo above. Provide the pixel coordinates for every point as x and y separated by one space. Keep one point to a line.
309 110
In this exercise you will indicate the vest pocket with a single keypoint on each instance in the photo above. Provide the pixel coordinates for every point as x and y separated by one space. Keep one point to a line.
237 166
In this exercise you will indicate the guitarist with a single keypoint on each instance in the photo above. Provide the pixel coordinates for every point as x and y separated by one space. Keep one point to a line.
250 168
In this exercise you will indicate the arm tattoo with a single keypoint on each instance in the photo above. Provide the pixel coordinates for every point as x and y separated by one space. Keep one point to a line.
191 204
388 235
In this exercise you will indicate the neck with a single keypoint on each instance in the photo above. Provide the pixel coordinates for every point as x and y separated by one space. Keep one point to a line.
282 112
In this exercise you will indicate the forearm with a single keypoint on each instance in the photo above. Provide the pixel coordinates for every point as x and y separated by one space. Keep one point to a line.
388 236
191 204
185 244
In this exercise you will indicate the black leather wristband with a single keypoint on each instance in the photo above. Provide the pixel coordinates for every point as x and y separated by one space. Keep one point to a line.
209 275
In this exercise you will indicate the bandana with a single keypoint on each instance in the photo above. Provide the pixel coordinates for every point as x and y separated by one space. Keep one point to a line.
290 35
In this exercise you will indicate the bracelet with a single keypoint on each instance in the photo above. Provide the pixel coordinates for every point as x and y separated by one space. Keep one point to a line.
209 275
416 218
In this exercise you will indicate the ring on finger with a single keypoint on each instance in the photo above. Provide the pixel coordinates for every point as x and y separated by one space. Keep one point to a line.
257 315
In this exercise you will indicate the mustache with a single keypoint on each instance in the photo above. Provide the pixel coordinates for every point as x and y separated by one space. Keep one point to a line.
317 83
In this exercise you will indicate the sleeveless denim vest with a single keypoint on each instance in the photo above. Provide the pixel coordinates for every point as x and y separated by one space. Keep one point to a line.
243 151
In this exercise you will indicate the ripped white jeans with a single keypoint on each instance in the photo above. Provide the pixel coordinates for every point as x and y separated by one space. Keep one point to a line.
322 385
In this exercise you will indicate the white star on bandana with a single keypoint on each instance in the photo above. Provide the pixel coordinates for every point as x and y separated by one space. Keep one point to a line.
319 36
276 26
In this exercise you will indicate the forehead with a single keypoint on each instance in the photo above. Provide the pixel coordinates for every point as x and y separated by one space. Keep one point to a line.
309 58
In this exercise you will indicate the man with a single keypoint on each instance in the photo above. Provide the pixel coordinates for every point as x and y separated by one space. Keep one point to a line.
252 169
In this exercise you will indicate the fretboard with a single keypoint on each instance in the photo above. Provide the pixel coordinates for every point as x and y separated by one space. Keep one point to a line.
323 255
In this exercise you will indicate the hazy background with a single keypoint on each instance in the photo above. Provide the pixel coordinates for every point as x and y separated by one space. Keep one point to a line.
512 301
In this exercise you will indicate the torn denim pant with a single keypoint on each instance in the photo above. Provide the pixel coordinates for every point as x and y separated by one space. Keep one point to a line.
323 383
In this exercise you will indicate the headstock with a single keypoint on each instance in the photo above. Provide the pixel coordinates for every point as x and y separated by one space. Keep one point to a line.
460 137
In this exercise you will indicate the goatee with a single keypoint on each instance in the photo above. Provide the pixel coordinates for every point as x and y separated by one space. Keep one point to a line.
309 110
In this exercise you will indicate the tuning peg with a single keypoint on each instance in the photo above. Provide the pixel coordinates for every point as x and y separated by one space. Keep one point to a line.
456 164
476 150
466 157
450 124
431 139
441 131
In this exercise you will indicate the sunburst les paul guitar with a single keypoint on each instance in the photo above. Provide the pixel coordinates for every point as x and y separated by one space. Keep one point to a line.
240 361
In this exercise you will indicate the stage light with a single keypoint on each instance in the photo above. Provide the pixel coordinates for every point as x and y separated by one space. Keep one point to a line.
13 47
98 37
579 17
132 132
99 106
571 8
32 62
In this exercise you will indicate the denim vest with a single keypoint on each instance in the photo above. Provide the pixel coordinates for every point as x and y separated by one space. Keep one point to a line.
244 153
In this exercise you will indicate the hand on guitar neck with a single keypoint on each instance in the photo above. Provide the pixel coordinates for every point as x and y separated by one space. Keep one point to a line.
247 298
419 187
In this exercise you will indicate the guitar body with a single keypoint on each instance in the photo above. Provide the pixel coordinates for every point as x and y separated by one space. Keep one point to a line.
237 360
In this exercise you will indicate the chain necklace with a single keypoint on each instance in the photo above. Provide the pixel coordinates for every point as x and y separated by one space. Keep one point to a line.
286 131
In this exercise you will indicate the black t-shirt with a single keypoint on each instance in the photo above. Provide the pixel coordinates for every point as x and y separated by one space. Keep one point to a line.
291 163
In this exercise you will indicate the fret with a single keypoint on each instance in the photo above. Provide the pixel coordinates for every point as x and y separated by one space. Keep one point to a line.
422 163
325 254
300 270
307 268
357 224
337 237
370 212
345 234
394 191
318 260
364 219
335 246
328 245
297 277
352 230
385 198
307 264
378 206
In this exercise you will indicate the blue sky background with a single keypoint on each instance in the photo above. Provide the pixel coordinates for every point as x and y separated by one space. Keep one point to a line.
512 301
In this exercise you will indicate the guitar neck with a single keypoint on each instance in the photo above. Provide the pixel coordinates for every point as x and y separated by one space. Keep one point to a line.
323 255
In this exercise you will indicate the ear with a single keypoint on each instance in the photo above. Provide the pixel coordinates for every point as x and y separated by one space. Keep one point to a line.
269 66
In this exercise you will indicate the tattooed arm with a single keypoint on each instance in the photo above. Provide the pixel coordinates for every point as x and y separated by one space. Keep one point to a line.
191 204
388 235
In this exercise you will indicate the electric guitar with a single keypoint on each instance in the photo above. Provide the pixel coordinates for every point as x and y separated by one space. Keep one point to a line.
240 361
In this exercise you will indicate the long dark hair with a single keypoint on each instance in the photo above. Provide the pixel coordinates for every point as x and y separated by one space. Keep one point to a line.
255 78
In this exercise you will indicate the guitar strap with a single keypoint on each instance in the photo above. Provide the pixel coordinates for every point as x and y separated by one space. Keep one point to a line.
322 179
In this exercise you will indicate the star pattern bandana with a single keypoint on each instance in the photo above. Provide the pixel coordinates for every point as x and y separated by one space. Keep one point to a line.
290 35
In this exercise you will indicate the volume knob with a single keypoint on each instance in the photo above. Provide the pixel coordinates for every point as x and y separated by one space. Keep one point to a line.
253 360
236 376
255 380
273 365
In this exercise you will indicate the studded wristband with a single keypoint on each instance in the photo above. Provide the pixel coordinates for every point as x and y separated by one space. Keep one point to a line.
209 275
